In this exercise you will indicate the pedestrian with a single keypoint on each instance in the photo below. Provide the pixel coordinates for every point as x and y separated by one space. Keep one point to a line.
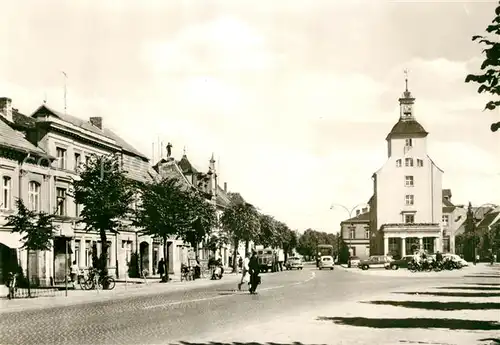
74 272
244 272
281 259
161 268
254 270
439 256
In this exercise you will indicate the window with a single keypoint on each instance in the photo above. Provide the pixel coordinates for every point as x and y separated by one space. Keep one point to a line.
77 209
420 163
367 233
367 250
353 251
409 200
34 196
429 244
446 245
409 218
409 162
409 181
88 253
408 142
6 191
398 163
78 160
445 219
87 159
127 245
61 158
77 252
61 201
352 233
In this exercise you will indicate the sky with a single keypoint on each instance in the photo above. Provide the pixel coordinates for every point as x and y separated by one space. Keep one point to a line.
294 98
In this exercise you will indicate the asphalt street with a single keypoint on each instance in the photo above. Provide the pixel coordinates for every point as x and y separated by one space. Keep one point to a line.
162 318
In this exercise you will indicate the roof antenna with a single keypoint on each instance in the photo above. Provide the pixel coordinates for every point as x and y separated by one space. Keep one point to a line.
65 90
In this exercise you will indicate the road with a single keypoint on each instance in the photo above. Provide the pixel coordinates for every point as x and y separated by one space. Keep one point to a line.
162 318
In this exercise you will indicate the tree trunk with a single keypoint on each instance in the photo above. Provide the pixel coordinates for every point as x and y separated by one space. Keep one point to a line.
235 256
103 259
28 271
165 255
247 246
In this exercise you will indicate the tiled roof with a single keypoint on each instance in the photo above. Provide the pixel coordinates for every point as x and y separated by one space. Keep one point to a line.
363 217
136 169
13 139
23 120
407 127
186 166
222 197
447 202
488 219
89 127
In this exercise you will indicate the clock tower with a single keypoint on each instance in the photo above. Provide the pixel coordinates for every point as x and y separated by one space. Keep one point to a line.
406 104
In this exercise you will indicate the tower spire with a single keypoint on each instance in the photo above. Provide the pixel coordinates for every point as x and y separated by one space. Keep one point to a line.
406 79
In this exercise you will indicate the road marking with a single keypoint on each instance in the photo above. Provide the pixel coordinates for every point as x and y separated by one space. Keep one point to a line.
313 275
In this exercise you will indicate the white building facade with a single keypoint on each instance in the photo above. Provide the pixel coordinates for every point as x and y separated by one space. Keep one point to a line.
406 207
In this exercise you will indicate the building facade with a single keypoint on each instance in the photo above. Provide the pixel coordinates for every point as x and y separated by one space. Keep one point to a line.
356 233
453 218
406 207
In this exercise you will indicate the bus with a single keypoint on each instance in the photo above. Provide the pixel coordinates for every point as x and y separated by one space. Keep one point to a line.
324 250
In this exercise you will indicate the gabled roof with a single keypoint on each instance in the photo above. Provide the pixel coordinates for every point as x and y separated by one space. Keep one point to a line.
44 110
361 218
407 128
186 166
489 219
13 139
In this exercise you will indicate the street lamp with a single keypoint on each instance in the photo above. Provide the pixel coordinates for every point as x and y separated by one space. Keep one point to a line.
349 211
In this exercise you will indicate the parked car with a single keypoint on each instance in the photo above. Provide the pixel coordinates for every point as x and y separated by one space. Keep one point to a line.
457 259
326 262
375 261
401 263
355 261
294 263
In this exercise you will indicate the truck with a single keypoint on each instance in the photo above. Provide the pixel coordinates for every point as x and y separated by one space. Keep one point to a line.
266 259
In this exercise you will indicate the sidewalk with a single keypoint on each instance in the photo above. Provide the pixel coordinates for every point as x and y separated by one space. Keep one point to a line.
121 290
403 272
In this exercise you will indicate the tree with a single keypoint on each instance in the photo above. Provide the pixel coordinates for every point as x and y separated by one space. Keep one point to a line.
37 230
268 234
308 243
240 222
204 217
105 194
287 238
165 211
489 80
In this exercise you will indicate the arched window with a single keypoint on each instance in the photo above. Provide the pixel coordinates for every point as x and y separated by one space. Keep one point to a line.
34 196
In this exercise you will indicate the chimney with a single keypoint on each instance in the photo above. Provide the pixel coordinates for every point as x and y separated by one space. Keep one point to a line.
6 108
96 121
358 212
225 187
365 209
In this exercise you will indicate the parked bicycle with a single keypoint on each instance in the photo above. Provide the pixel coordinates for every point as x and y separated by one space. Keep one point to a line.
94 279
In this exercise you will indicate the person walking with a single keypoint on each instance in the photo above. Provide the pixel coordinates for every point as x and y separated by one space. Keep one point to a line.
74 270
281 259
161 268
254 270
244 270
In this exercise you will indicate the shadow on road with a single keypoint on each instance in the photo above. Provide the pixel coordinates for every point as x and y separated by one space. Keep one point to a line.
453 324
491 284
493 340
484 288
483 276
433 305
240 343
453 294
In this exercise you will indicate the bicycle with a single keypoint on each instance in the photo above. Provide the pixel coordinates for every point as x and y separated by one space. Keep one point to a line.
96 280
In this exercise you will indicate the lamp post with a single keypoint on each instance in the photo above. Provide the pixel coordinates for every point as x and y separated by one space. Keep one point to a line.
349 211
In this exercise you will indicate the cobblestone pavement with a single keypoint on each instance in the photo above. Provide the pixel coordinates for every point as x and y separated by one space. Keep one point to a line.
163 317
437 310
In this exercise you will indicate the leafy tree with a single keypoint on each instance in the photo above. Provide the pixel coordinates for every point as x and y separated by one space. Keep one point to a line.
37 229
105 194
204 216
288 238
165 211
268 234
240 222
489 80
308 243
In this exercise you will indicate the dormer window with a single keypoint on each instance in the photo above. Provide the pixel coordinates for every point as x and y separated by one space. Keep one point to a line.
409 162
398 163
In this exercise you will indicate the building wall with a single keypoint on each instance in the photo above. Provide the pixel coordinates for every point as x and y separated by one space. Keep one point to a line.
391 191
455 219
359 244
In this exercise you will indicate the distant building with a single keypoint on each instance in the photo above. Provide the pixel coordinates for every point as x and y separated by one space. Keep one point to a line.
452 219
356 233
406 207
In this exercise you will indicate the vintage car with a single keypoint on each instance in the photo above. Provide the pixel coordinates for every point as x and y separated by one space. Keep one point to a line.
375 261
326 262
400 263
294 263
